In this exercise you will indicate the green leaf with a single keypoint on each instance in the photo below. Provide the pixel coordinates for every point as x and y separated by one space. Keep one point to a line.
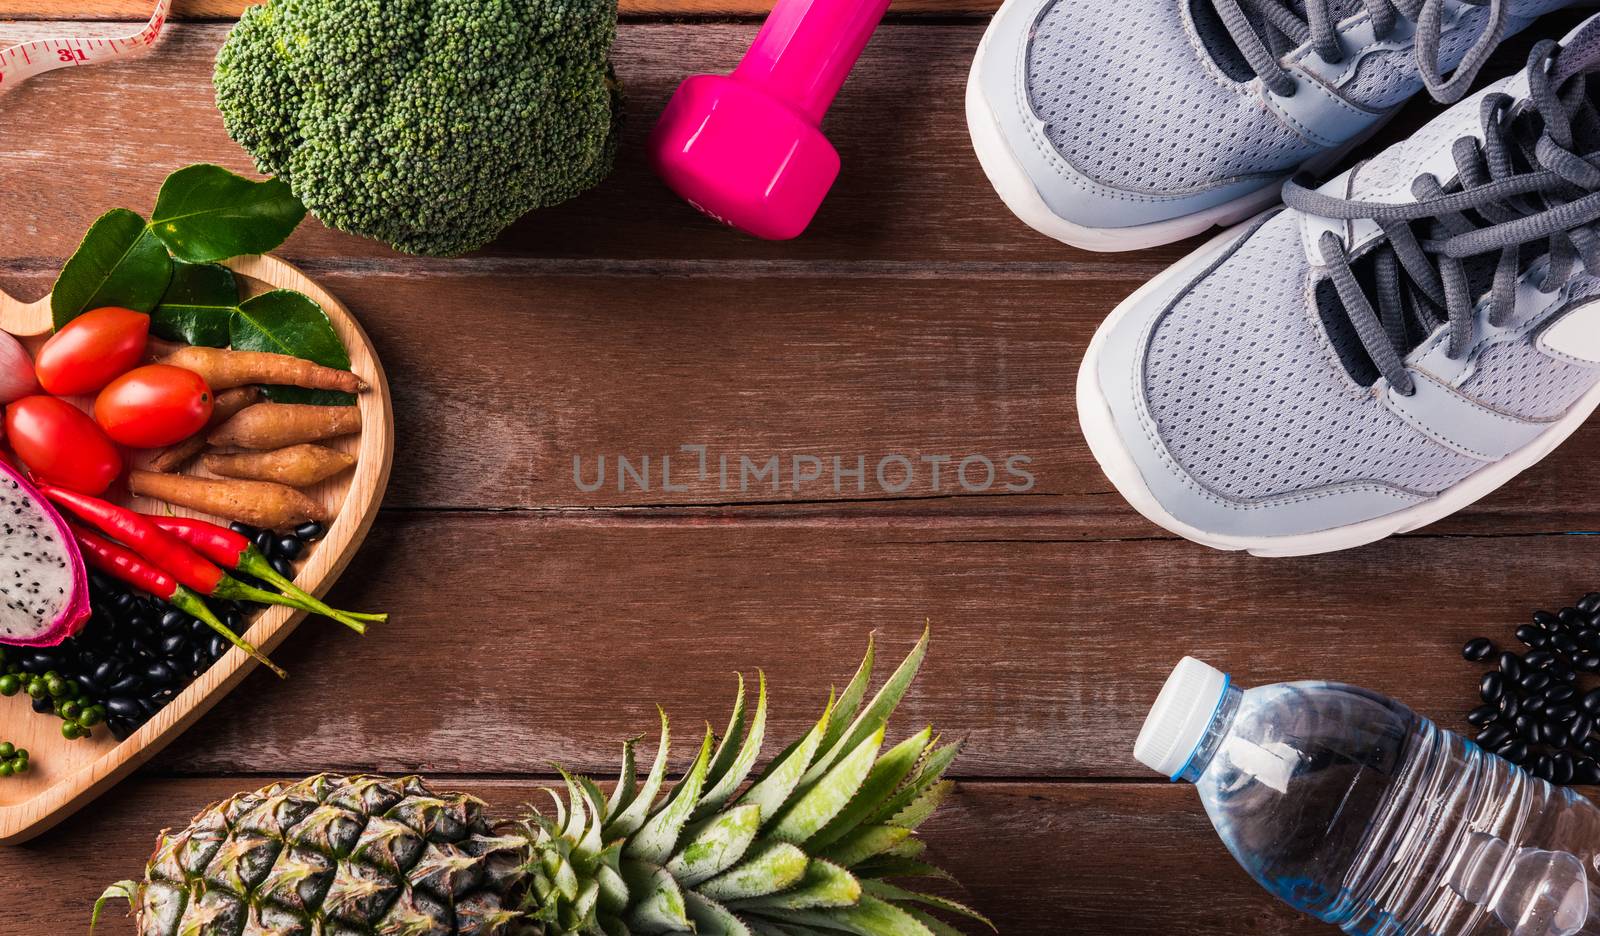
828 796
630 819
748 752
876 715
900 895
713 919
865 843
824 885
658 839
773 789
892 866
850 698
886 776
199 305
715 845
119 263
938 926
766 870
627 781
287 322
732 739
658 905
206 213
924 806
932 770
870 917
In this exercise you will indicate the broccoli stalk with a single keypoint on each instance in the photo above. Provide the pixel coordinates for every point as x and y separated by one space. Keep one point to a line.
427 124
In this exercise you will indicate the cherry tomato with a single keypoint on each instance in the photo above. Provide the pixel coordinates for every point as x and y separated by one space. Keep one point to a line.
60 444
92 349
154 405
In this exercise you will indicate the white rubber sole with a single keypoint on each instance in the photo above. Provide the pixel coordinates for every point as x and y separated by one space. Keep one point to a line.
1105 443
1012 184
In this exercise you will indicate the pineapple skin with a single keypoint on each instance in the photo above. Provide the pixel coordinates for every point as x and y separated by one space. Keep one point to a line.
335 856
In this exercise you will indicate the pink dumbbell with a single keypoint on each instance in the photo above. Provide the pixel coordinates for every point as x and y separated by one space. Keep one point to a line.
745 148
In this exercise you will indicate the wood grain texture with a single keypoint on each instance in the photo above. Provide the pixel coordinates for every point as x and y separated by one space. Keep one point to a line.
1040 859
70 774
230 9
525 639
910 193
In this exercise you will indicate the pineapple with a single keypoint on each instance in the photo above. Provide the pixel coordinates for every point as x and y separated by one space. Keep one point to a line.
808 847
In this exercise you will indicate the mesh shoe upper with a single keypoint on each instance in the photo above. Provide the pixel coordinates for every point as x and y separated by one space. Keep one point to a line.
1250 399
1104 88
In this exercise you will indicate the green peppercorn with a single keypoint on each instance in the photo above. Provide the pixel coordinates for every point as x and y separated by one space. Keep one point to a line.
10 685
7 750
6 769
56 686
36 688
70 711
20 765
72 731
22 753
93 715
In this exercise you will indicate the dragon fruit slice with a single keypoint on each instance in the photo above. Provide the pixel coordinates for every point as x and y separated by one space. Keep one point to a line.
44 592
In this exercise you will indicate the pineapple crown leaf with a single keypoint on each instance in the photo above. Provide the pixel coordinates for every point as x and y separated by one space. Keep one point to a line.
631 818
725 784
902 897
122 890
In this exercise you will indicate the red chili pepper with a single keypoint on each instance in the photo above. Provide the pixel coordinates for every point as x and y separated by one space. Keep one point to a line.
127 566
162 549
227 548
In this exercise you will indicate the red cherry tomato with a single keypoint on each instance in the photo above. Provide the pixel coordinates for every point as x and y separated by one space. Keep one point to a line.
154 405
60 444
92 349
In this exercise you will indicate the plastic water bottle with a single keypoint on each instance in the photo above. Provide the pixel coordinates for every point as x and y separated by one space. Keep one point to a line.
1354 809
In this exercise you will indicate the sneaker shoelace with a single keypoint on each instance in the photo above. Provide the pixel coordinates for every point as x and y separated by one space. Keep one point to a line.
1529 191
1285 25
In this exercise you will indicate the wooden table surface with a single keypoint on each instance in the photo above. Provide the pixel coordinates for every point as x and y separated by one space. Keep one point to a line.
538 622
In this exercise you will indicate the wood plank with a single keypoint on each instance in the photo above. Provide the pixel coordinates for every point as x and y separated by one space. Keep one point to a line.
876 372
200 10
1112 860
519 640
911 190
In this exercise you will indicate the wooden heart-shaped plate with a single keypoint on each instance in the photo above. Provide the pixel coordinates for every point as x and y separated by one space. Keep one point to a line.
66 775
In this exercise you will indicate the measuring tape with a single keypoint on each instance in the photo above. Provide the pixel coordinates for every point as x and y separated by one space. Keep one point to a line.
18 63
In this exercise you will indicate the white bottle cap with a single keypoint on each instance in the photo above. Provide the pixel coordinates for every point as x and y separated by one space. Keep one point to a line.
1177 722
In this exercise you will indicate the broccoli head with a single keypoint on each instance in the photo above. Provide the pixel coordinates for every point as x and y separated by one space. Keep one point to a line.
428 124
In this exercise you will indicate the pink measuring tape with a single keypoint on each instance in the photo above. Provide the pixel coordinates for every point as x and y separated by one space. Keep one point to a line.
18 63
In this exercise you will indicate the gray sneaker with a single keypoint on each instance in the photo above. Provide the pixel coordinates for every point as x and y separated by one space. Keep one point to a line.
1116 126
1388 349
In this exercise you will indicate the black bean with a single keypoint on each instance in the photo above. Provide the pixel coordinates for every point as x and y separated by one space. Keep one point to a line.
1547 620
263 540
283 567
1586 771
1514 751
125 685
1535 681
1491 686
311 531
1493 736
1511 664
1560 692
199 628
1579 727
218 646
1563 645
1589 663
1562 672
1560 713
243 529
158 674
1561 767
174 621
122 707
1554 734
1539 659
1589 603
1509 705
289 547
1527 727
233 619
43 705
1532 636
119 729
1541 767
173 644
1590 746
1570 616
106 671
1591 702
1482 715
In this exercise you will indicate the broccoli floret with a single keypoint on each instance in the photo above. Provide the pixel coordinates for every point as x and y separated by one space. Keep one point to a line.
428 124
